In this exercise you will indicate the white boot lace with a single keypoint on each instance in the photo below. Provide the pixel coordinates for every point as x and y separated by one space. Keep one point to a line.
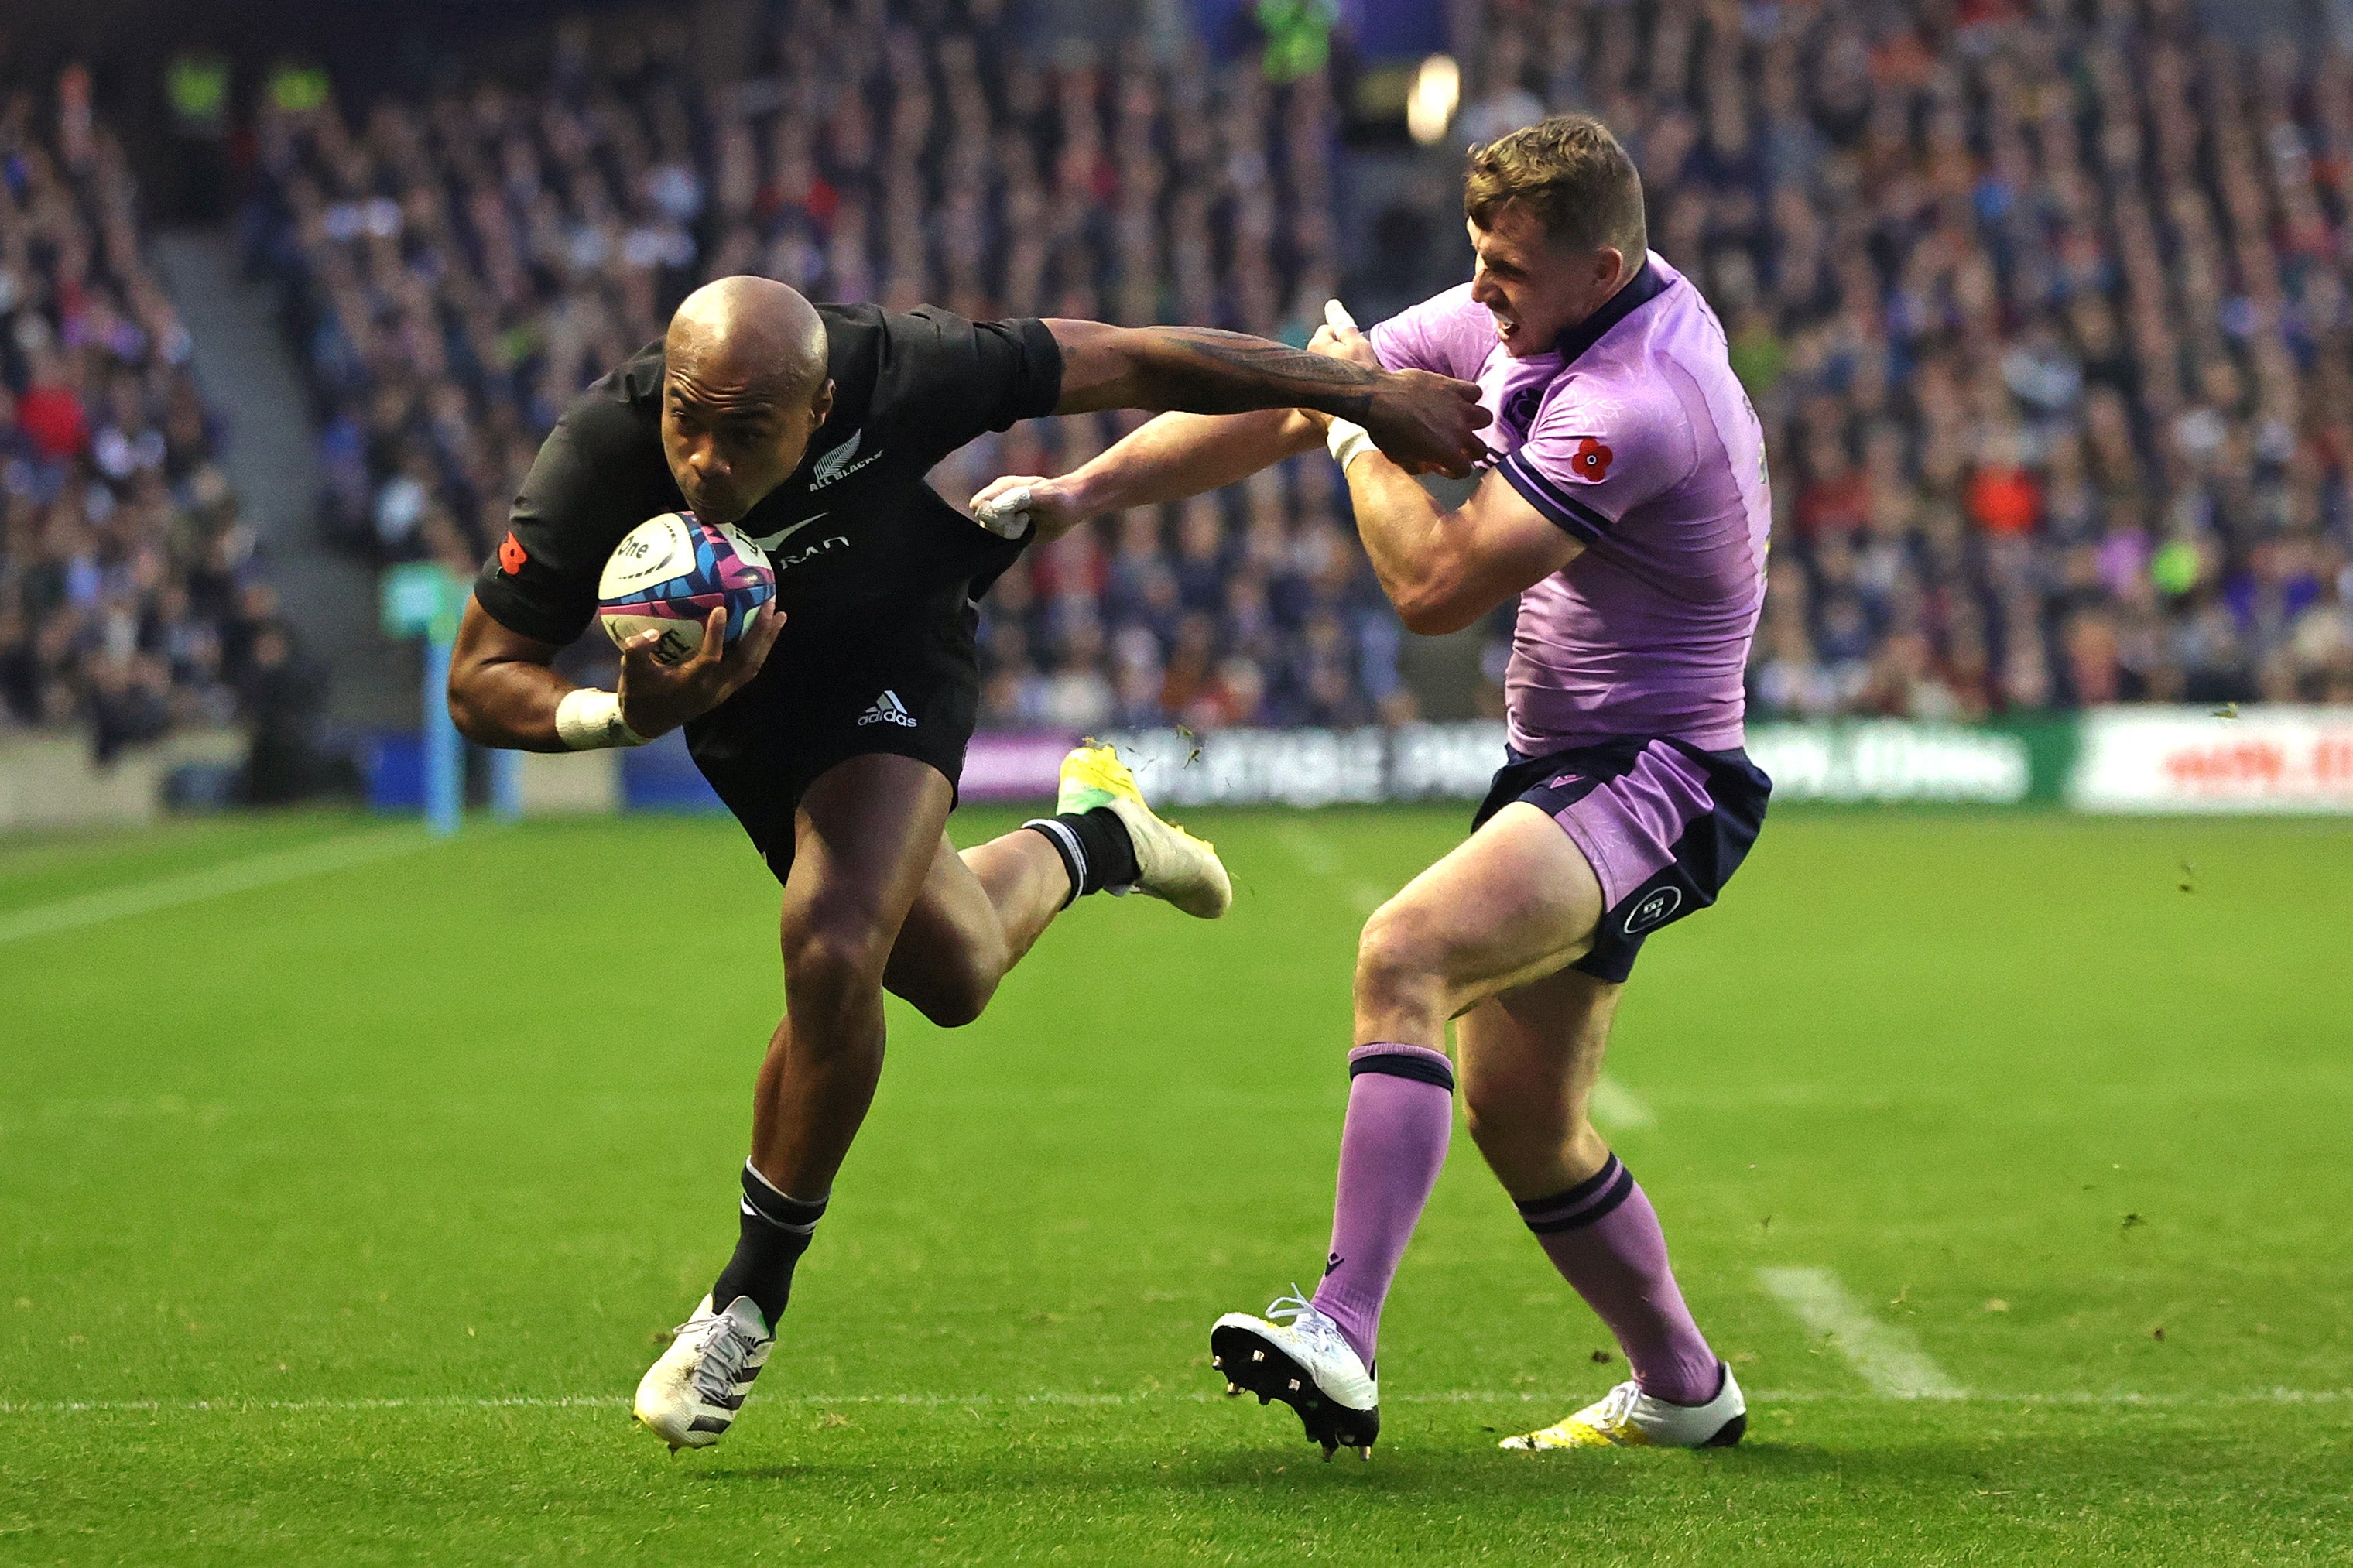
725 1347
1309 1321
1615 1408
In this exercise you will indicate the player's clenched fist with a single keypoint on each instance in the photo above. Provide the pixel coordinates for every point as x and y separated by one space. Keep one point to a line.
1027 507
1425 422
1433 421
656 697
1338 338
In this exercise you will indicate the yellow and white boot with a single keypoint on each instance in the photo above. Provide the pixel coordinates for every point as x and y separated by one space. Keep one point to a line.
1626 1417
1170 863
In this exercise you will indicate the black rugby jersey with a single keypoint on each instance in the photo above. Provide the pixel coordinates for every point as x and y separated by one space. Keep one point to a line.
854 533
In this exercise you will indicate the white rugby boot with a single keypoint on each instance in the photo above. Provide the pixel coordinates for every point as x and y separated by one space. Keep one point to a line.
1170 863
1626 1417
1308 1364
688 1397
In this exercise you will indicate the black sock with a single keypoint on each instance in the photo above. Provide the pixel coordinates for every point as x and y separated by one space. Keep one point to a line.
775 1232
1094 847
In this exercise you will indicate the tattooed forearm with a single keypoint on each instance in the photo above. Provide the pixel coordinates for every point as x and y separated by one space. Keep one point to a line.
1206 371
1426 424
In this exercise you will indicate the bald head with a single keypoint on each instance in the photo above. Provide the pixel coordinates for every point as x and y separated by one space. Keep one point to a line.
746 331
743 390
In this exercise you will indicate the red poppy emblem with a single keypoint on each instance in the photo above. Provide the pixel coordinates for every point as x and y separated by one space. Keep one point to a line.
510 554
1591 460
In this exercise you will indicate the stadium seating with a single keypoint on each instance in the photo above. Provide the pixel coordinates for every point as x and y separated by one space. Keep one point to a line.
463 263
2044 314
127 602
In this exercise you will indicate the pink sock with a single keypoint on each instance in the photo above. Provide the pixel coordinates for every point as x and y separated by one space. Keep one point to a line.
1400 1112
1604 1238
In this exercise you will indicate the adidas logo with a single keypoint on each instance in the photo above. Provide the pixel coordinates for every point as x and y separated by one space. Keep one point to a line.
887 710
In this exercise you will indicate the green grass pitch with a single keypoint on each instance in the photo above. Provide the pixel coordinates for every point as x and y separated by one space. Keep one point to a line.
338 1218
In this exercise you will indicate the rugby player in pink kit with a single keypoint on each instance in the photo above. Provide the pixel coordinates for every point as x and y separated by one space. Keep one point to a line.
1627 506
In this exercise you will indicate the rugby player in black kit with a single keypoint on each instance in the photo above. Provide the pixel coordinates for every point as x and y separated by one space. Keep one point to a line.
835 727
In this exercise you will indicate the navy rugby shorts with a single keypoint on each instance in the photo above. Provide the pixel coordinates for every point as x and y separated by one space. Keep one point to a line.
1662 824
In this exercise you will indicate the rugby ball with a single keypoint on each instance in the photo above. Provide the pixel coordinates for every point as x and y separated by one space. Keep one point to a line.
670 572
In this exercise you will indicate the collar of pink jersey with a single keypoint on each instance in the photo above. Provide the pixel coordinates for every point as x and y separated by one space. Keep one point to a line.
1647 284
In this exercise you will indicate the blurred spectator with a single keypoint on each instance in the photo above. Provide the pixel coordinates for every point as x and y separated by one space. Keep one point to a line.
2043 308
285 699
2069 278
110 509
129 702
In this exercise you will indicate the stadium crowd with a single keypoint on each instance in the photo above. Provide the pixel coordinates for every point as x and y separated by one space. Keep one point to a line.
128 599
463 265
2043 310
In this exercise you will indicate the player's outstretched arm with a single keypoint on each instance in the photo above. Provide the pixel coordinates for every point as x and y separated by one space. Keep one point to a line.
1427 423
502 692
1173 457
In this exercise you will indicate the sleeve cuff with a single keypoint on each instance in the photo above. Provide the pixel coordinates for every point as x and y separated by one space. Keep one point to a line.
502 603
1563 509
1044 358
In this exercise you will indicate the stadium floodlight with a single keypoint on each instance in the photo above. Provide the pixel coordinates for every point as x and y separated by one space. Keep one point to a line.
1430 107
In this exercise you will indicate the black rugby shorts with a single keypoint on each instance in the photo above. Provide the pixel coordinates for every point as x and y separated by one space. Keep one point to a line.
835 688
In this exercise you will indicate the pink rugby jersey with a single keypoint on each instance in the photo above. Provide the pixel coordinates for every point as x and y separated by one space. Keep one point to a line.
1632 434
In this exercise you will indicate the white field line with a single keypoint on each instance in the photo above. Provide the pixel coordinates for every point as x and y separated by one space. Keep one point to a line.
1320 856
262 871
1618 1108
1890 1359
2118 1398
1313 850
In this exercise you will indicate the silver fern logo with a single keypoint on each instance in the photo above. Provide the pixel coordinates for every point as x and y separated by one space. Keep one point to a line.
841 462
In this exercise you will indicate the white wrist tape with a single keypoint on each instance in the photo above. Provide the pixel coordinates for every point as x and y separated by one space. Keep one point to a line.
588 720
1348 441
1007 516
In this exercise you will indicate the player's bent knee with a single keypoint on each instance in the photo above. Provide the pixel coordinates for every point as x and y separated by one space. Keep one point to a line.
952 1001
830 969
955 1011
1397 957
950 983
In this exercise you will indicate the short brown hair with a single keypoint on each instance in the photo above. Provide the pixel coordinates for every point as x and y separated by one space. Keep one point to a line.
1571 175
